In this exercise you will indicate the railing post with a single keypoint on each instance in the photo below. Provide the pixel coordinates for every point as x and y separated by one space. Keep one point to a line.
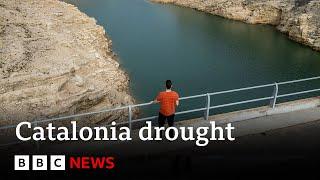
274 95
130 116
207 112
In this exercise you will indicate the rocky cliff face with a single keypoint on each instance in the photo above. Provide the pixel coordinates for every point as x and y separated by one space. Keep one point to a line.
300 19
55 60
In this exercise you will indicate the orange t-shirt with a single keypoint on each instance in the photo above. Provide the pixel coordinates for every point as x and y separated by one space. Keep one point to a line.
167 102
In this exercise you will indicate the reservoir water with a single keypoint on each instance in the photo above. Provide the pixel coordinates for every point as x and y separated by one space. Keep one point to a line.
199 52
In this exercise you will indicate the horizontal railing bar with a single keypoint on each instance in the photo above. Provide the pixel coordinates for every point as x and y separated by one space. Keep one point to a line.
298 80
190 111
178 113
297 93
67 117
236 90
192 97
79 115
183 98
241 89
145 119
241 102
143 104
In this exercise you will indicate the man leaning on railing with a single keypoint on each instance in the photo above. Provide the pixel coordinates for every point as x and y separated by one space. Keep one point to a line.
168 100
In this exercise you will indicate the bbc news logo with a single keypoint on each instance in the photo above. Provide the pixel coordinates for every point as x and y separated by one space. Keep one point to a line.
58 162
39 162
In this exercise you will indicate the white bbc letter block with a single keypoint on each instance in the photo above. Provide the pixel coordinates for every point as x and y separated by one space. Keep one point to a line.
57 162
39 162
21 162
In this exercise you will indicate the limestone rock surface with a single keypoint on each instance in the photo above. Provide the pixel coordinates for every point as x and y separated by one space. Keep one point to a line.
54 61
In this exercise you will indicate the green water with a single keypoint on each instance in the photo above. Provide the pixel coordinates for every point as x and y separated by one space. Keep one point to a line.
199 52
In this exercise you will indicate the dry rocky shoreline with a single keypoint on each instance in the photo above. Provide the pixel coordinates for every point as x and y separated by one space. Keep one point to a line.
299 19
55 60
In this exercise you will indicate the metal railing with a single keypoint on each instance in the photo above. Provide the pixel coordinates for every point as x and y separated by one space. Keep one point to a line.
273 100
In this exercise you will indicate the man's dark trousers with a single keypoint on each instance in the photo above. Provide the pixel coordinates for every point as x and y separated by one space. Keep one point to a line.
162 120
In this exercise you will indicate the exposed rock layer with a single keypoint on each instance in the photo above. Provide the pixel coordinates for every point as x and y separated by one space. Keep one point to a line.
299 19
55 60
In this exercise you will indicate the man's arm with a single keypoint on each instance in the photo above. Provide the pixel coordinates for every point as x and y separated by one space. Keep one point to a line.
156 100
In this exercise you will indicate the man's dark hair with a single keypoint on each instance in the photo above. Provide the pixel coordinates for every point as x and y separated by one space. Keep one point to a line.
168 84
